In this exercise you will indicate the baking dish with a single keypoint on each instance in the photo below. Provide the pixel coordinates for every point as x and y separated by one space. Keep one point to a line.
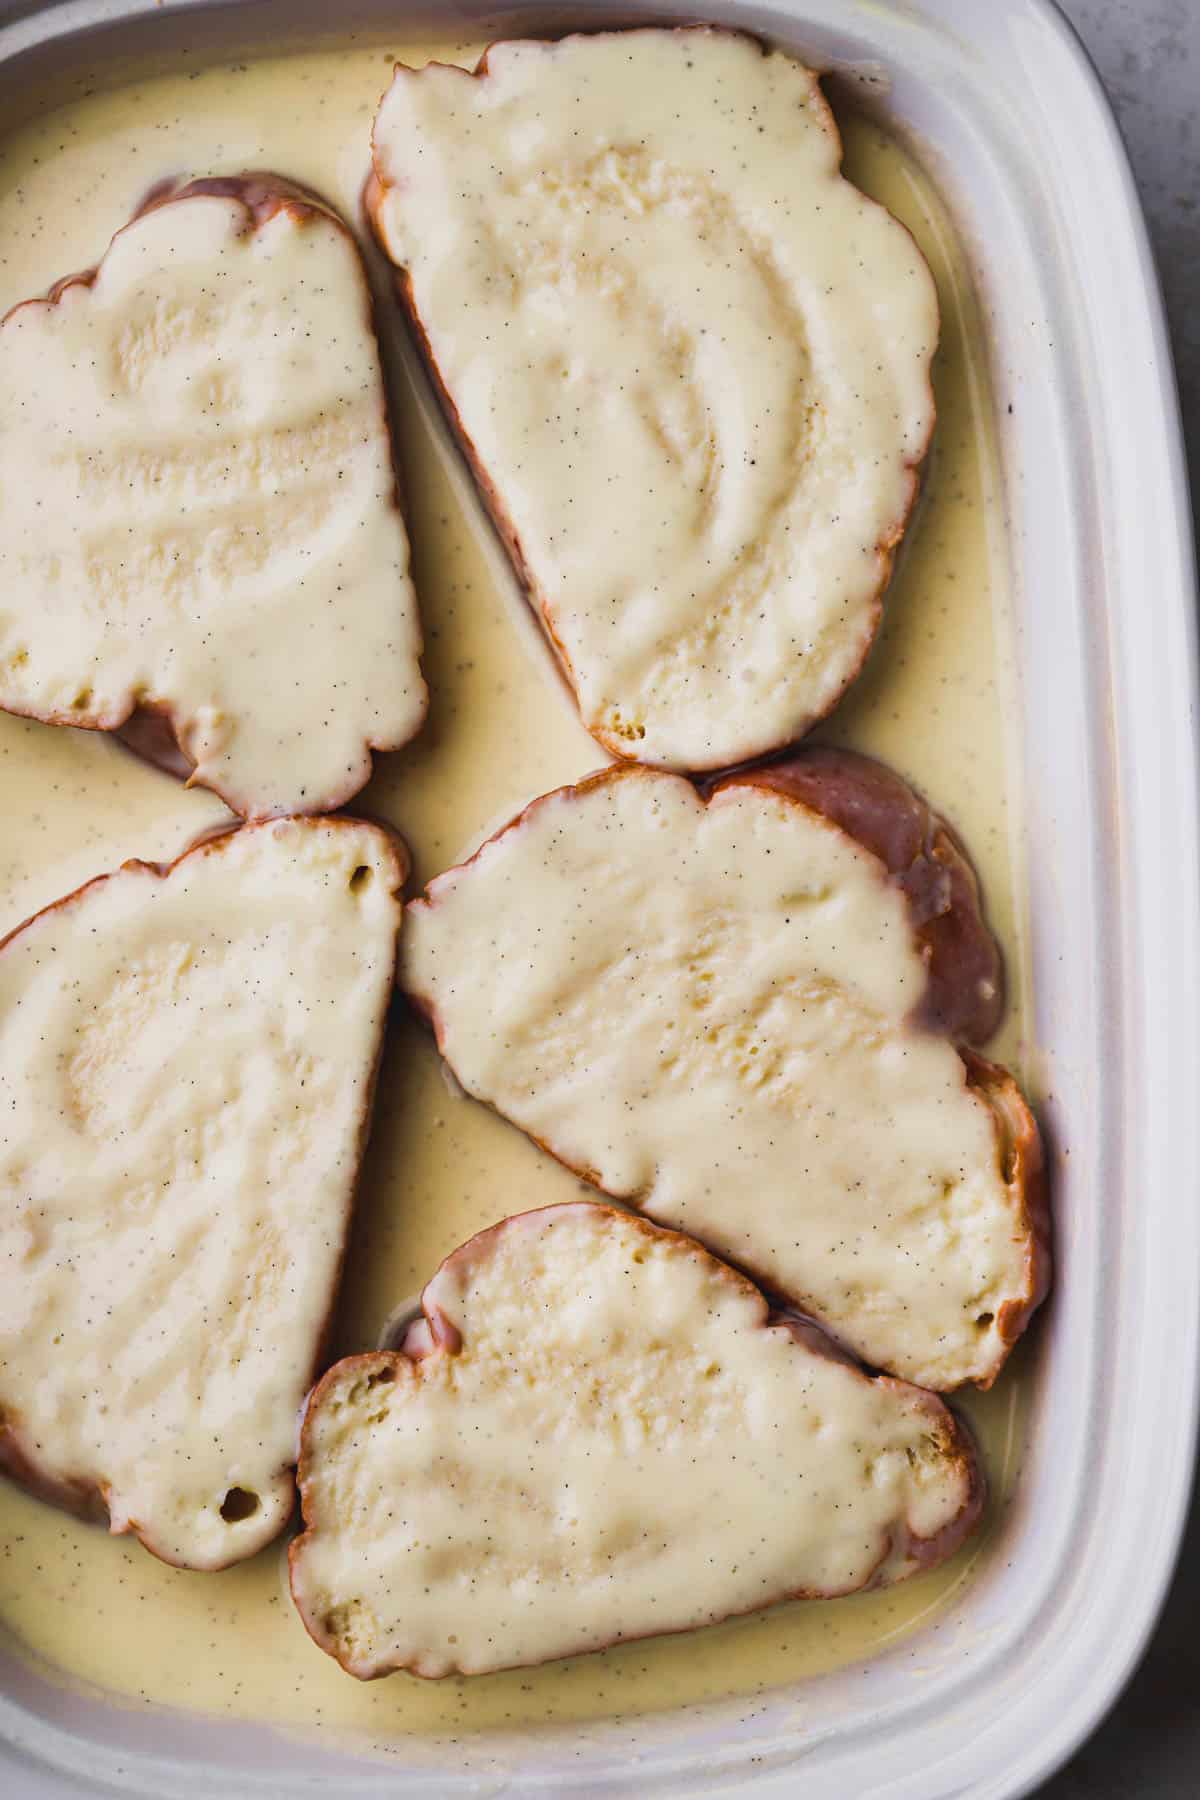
1005 112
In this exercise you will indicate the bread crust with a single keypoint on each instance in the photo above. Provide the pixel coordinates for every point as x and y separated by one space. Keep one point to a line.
921 854
150 728
886 545
951 1432
1024 1167
79 1495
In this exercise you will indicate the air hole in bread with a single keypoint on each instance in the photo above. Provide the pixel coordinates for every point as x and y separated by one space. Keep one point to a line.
82 700
360 879
984 1319
378 1377
238 1504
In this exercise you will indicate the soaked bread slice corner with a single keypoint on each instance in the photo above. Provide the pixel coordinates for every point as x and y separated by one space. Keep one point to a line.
748 1008
598 1432
187 1064
200 534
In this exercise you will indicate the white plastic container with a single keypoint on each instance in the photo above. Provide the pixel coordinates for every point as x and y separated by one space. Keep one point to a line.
1012 123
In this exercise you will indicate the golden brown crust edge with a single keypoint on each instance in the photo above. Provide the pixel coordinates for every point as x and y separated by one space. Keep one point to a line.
87 1499
952 1435
150 729
1023 1165
886 547
922 853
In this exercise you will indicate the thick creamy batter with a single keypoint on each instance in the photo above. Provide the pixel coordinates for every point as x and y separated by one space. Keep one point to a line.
935 701
678 1459
706 375
707 1005
197 503
185 1067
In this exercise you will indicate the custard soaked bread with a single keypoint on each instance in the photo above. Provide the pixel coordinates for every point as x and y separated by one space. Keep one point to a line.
198 510
738 1009
598 1432
187 1061
688 361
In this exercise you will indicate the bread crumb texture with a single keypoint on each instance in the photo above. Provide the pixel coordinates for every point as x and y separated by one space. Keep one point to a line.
613 1443
186 1061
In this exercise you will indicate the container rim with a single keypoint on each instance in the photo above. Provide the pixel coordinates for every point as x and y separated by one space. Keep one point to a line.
1021 94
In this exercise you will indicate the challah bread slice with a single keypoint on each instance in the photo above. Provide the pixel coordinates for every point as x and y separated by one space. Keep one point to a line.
687 360
733 1009
198 508
187 1063
599 1432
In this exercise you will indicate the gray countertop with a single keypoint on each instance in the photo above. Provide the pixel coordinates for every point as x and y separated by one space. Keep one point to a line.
1148 52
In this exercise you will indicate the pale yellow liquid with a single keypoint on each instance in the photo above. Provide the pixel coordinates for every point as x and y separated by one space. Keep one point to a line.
935 702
